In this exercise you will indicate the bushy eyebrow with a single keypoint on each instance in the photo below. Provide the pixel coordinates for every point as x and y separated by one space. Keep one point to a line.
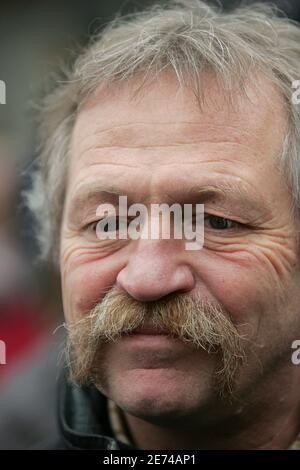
89 197
224 192
234 192
236 198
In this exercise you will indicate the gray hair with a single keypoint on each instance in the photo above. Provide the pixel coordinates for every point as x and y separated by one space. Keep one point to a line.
187 37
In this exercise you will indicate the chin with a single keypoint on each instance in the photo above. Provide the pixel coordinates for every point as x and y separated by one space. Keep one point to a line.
157 394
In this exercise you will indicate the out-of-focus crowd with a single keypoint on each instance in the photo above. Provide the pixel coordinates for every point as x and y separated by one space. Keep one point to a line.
29 312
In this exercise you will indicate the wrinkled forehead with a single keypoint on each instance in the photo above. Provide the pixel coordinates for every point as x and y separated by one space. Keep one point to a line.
164 112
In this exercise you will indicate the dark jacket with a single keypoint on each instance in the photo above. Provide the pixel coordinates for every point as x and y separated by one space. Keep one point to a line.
83 420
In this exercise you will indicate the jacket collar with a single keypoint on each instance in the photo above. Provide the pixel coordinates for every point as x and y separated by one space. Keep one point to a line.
84 419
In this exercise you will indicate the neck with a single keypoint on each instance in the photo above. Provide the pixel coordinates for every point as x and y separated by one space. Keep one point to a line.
268 419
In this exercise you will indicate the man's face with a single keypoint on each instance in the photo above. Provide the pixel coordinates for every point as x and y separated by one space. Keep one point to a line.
159 148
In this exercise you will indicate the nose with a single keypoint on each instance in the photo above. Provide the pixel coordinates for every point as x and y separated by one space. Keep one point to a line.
155 270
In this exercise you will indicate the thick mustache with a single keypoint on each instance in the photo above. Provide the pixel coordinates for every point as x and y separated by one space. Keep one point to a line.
199 323
205 324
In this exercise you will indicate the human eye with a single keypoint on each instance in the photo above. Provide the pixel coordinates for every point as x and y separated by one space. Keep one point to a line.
215 222
105 227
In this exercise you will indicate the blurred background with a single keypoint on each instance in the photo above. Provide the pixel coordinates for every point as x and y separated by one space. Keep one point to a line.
36 37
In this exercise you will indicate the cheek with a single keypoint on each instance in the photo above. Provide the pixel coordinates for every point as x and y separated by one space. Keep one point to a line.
86 284
244 284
